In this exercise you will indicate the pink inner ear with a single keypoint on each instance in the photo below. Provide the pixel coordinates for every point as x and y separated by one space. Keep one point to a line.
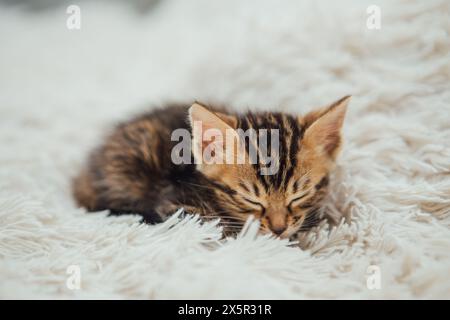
209 132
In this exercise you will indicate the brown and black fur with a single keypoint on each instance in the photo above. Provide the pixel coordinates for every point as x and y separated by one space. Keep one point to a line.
132 172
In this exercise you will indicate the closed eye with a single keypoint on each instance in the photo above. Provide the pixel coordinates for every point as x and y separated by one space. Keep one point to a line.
306 206
296 199
255 203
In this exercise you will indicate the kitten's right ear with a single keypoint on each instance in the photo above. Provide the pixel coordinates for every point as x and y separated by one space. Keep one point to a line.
323 128
314 115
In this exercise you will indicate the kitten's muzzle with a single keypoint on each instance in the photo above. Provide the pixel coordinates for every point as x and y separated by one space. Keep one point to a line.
277 221
279 230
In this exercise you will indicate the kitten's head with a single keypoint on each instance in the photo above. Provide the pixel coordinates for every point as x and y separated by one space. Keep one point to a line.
285 200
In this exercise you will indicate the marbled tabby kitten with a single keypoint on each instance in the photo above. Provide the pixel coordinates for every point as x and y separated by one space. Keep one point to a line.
132 171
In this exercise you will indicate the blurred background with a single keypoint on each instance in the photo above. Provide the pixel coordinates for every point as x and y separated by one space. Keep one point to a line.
61 88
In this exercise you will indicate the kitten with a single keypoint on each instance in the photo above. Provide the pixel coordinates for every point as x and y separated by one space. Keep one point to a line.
133 171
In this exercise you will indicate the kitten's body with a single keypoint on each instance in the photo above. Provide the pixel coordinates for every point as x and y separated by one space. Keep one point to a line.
132 172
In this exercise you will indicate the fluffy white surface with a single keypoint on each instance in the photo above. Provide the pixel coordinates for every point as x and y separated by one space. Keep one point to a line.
60 90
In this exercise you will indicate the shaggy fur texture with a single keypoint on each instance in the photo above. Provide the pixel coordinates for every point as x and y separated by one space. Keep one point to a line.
61 89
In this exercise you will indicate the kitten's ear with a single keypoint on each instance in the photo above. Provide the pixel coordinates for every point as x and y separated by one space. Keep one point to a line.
210 119
202 120
323 127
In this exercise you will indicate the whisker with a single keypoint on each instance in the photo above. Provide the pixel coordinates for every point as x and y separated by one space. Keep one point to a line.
221 217
232 224
232 227
312 219
196 185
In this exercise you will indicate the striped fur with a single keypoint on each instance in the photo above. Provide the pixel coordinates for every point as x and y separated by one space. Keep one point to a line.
132 171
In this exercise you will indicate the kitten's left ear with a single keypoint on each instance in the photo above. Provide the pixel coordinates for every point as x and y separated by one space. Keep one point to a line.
323 128
220 124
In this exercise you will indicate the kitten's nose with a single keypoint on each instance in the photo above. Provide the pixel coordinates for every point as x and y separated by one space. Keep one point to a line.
277 221
278 230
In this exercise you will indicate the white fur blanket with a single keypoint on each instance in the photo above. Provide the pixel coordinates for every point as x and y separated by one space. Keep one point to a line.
60 90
